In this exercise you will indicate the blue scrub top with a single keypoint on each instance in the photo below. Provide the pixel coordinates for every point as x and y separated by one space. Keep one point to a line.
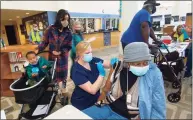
133 33
80 75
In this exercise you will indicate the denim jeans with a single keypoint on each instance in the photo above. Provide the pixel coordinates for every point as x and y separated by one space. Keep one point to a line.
103 112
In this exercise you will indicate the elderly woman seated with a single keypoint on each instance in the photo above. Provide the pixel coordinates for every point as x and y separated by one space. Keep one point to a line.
134 88
180 34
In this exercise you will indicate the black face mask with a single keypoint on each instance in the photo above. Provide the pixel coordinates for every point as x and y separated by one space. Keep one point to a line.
78 31
153 10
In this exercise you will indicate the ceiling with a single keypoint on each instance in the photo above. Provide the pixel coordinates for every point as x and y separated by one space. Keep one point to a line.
12 15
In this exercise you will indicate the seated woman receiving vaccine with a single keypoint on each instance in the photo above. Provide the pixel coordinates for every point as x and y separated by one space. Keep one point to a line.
134 89
88 76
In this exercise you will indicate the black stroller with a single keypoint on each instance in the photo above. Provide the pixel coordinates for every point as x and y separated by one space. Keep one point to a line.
173 68
39 99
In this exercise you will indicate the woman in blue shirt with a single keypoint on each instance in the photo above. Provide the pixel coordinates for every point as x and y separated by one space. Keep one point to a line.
88 75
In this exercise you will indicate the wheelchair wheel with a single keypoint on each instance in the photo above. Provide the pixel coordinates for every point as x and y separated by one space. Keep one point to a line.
174 97
176 85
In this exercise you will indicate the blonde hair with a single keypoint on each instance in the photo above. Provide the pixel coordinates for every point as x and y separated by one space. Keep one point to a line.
76 23
81 47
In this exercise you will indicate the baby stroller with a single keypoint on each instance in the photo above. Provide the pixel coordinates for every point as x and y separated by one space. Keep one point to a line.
40 100
172 68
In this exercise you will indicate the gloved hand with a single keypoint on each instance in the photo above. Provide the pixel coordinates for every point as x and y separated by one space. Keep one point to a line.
113 61
101 69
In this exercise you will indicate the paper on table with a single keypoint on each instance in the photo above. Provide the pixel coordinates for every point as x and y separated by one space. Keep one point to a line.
40 109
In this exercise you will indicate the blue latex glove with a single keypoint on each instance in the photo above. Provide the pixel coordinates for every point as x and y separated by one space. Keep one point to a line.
35 70
113 61
101 69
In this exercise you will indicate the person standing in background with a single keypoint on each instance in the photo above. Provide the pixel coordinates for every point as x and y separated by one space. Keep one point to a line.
140 28
35 36
76 38
59 39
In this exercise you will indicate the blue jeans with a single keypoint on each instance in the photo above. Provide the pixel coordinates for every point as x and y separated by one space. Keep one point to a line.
103 112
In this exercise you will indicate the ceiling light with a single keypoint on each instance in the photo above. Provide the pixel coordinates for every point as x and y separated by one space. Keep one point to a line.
26 13
10 19
17 16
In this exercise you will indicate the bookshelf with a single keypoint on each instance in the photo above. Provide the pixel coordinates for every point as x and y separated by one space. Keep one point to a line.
7 75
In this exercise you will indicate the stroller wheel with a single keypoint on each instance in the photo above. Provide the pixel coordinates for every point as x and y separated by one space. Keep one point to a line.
176 85
174 97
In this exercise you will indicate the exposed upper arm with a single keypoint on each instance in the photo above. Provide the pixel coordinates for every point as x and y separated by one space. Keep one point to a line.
87 87
106 64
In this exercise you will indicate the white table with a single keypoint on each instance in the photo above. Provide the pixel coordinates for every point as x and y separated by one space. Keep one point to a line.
3 117
68 112
180 47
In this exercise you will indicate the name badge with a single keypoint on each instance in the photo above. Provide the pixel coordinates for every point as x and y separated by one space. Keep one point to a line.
129 98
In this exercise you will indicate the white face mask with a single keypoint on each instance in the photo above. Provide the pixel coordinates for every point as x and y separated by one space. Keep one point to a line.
139 71
64 23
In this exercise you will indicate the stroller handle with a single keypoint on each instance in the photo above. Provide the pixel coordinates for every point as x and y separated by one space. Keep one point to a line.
46 51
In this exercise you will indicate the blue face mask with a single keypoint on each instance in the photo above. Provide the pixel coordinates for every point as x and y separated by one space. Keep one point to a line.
87 57
139 71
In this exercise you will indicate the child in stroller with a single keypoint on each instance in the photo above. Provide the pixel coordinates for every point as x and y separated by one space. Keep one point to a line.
37 95
36 67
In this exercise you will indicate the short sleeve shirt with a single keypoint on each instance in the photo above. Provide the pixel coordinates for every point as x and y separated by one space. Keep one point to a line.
133 33
80 75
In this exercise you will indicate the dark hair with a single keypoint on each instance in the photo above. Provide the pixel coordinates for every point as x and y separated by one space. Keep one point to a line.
30 52
61 14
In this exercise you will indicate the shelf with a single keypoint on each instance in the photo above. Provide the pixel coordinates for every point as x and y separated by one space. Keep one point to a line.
7 93
17 62
13 75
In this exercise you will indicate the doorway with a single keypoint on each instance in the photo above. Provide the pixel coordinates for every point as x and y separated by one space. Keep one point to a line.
11 35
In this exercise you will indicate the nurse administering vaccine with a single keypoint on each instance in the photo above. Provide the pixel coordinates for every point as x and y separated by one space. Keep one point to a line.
88 75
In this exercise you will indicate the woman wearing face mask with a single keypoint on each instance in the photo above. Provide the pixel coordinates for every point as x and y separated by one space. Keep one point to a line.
76 38
59 39
88 75
134 89
180 34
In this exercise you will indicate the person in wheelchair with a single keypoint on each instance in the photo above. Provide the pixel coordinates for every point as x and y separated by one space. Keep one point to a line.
134 88
36 67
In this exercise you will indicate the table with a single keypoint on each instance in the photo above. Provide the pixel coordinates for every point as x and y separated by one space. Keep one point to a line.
180 47
68 112
3 117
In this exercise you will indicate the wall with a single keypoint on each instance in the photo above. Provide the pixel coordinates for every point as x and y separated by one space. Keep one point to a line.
30 5
21 36
101 7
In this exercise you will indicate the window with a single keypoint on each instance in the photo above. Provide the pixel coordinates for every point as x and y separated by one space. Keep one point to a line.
83 23
108 26
113 23
91 23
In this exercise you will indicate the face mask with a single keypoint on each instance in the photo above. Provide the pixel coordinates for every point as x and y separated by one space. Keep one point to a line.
64 23
87 57
78 31
139 71
153 10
